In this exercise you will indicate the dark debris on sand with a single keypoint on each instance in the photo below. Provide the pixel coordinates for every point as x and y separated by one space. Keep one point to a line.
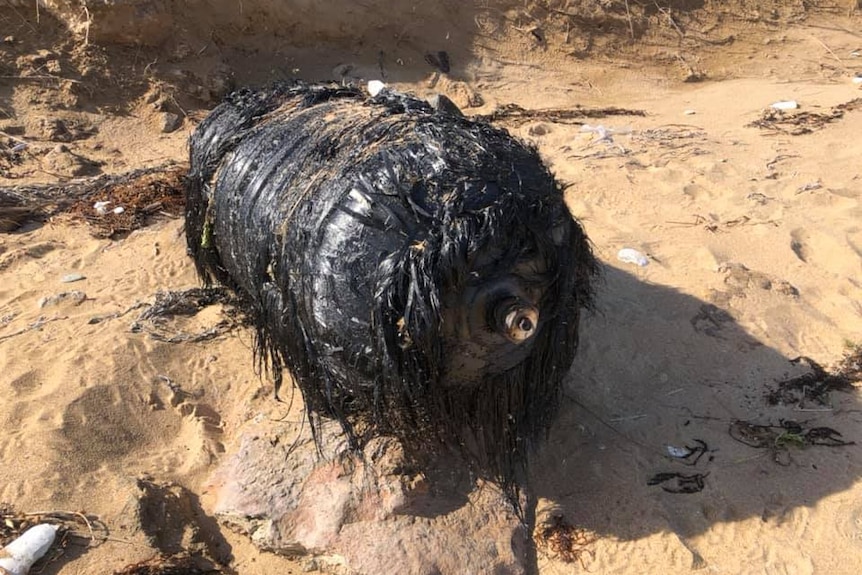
798 123
815 386
779 439
140 198
143 194
514 114
162 320
560 540
177 564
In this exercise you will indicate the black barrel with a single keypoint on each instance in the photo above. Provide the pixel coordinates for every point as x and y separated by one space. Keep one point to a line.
418 273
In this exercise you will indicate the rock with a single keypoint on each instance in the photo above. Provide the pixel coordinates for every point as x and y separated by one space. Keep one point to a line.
63 130
739 279
460 93
63 162
54 129
539 130
444 105
368 515
169 122
74 297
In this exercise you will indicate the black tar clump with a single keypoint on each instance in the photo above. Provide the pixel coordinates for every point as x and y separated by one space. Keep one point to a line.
418 273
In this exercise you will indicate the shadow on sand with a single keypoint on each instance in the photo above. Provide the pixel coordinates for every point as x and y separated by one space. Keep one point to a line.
654 370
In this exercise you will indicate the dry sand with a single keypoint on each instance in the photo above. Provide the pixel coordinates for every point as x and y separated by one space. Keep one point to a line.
754 243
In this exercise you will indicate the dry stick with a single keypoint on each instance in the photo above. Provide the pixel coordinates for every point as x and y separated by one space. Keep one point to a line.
63 516
670 19
33 326
89 21
828 49
629 18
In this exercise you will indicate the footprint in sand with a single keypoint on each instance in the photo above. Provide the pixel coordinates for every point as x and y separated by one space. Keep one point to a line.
25 383
851 526
105 425
739 279
35 252
830 250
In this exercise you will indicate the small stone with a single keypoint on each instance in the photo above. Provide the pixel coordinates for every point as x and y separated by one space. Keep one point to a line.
9 40
169 122
60 160
75 297
54 130
538 130
443 105
461 93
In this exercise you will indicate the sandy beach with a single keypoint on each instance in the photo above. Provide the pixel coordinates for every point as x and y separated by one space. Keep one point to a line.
749 222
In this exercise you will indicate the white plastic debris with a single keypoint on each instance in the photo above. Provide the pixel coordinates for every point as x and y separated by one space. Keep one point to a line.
375 87
17 557
69 278
604 133
786 105
678 452
689 112
632 256
119 210
101 208
857 79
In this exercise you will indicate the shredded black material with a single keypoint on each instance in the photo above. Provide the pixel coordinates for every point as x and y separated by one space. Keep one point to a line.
171 304
673 482
779 439
177 564
371 239
817 385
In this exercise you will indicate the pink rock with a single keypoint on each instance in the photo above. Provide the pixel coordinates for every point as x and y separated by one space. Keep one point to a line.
366 515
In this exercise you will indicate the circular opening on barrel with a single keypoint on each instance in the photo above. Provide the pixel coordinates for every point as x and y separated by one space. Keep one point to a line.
513 318
521 323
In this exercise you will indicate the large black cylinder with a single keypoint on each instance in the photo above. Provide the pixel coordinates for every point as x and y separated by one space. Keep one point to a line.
418 273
